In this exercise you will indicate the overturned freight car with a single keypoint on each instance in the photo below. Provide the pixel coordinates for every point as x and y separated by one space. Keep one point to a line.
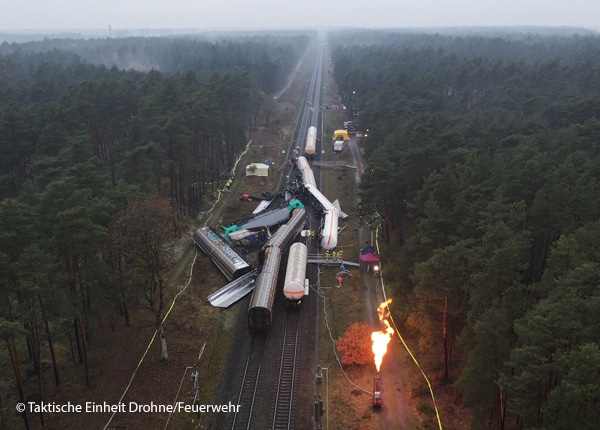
225 258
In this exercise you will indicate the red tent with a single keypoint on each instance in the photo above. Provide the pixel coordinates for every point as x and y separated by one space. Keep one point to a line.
370 258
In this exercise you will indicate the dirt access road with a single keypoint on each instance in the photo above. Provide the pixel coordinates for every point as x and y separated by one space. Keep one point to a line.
397 413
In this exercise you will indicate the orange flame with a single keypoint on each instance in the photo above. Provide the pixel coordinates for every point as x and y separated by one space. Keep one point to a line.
381 338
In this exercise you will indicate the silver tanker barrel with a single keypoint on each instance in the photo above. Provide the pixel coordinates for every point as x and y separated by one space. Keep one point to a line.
225 258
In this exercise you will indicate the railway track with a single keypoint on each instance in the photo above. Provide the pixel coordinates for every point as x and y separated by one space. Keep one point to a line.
249 386
275 391
283 414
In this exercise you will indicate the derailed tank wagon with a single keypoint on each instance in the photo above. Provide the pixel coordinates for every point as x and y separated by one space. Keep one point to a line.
261 304
225 258
330 214
287 232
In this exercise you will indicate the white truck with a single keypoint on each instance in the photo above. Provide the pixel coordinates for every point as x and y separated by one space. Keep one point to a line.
338 145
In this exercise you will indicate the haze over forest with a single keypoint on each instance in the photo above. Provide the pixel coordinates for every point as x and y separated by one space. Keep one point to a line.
486 143
233 15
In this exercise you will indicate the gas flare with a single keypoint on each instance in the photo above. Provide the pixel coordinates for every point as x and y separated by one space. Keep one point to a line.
381 338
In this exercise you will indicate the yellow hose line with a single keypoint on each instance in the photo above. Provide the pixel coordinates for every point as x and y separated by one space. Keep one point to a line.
225 189
437 414
152 339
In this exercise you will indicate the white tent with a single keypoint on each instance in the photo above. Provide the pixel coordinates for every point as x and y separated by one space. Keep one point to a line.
257 169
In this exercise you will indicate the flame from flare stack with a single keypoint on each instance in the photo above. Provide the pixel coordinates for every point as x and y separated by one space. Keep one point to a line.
381 338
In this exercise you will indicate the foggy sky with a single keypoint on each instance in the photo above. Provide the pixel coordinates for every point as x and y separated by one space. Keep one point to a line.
284 14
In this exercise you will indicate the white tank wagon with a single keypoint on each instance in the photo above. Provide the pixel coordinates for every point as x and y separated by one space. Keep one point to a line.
329 221
311 141
308 177
261 304
329 232
295 274
225 258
